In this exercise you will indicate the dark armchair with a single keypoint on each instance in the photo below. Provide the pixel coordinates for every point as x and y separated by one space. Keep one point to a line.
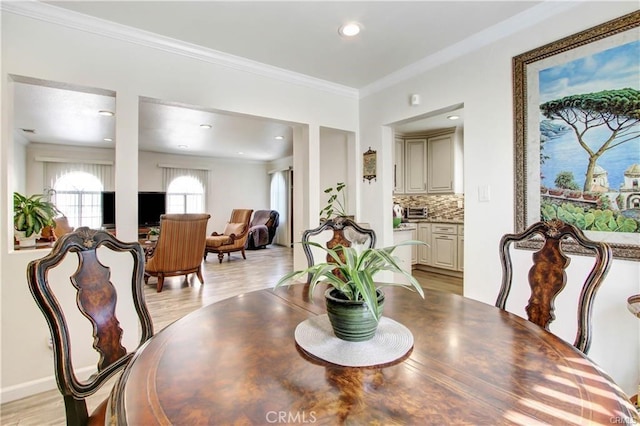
262 229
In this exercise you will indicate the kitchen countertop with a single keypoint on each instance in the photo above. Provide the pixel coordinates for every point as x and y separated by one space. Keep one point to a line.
412 224
406 226
436 220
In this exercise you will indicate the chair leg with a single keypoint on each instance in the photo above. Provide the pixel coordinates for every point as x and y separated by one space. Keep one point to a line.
220 256
160 282
76 410
199 275
243 255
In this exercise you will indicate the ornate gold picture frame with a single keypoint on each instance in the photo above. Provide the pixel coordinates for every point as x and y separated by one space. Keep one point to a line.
557 88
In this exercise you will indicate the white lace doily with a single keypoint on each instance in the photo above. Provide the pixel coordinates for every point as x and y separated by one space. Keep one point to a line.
391 342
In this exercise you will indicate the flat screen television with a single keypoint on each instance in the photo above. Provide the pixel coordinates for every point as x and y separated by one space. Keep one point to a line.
109 209
150 206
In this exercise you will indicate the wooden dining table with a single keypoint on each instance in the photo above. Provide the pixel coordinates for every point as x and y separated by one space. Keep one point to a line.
236 362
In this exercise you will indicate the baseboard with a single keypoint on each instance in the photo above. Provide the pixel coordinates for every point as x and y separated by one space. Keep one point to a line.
426 268
33 387
26 389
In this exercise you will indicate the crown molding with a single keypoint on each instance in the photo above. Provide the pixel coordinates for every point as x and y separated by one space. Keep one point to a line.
481 39
81 22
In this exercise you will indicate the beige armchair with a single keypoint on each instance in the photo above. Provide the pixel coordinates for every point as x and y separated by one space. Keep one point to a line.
62 226
179 249
233 238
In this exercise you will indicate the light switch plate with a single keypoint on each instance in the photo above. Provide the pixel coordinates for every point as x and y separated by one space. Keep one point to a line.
484 193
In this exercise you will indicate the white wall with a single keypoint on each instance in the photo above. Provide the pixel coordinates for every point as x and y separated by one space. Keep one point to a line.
233 184
53 52
20 161
246 183
482 81
334 167
36 152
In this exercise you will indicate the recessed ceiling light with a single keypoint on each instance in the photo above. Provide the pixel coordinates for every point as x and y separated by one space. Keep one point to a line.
240 152
205 126
106 113
108 140
453 117
183 146
279 137
349 30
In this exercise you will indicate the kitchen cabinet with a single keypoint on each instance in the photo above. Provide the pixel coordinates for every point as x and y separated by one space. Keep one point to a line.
398 166
444 246
460 247
403 253
414 249
444 164
415 166
429 164
424 235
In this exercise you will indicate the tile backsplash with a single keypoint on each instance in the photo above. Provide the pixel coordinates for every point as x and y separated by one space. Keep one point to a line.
439 206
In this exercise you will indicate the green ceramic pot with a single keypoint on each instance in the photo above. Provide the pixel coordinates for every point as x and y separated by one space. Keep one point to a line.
351 320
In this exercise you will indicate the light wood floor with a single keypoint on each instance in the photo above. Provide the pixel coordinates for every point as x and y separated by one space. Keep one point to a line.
178 298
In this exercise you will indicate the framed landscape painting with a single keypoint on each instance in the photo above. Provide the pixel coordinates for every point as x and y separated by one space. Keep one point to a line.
577 134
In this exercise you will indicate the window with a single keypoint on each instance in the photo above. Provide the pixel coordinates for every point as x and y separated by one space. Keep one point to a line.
185 194
78 196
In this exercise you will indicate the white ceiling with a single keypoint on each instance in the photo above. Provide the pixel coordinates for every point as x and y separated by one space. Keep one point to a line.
301 37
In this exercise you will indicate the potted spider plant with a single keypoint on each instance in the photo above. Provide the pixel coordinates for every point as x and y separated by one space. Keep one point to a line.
30 215
336 204
354 300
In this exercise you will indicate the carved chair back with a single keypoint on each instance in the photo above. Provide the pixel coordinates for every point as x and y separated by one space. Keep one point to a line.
96 300
547 276
344 232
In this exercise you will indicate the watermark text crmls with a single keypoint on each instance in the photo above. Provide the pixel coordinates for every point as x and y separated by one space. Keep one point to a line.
301 417
617 420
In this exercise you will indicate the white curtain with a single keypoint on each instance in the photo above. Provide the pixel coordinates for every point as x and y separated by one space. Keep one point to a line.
54 170
280 203
189 189
171 173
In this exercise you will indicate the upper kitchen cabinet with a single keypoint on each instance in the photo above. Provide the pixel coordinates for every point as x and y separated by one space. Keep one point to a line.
398 166
415 166
429 164
444 163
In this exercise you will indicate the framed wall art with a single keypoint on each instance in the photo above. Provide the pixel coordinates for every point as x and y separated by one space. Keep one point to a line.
369 165
577 134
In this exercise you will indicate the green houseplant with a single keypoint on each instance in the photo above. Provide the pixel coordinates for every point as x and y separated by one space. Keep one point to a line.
336 203
30 215
154 233
354 300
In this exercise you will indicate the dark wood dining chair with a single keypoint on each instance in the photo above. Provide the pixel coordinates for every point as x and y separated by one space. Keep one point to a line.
96 299
344 232
547 276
